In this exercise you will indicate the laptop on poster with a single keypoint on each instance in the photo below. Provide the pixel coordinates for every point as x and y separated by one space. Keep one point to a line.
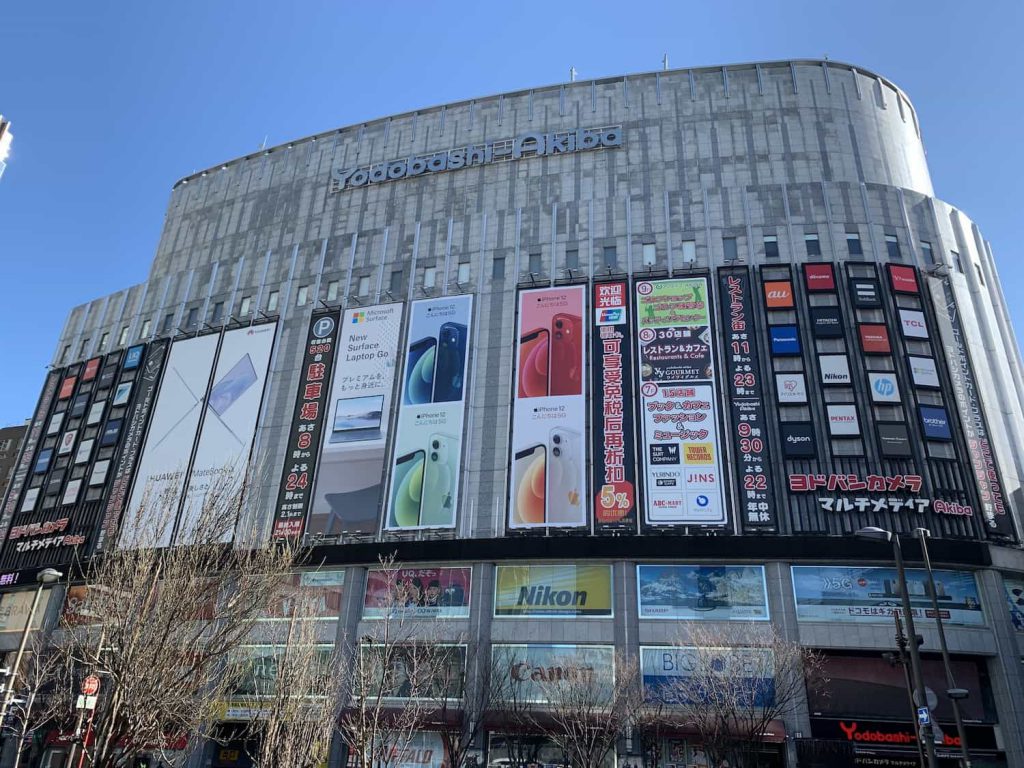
357 419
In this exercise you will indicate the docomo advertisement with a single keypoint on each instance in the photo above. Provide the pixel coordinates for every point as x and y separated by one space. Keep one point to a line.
428 442
682 462
160 479
547 487
229 423
350 475
614 446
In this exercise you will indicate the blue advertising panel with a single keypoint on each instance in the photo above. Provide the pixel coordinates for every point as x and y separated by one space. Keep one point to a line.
785 340
714 592
1015 597
680 675
935 422
871 595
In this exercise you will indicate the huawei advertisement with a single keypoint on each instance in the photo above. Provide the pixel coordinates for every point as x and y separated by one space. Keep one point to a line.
547 486
350 475
428 441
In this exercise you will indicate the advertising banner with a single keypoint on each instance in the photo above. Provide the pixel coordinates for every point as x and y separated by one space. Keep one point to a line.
427 458
871 595
935 422
350 475
404 677
913 324
553 590
903 279
827 322
547 486
702 592
791 388
778 294
531 669
866 292
682 456
819 278
874 339
785 340
28 448
972 415
15 608
684 675
1015 598
296 490
160 480
842 420
317 593
229 424
884 387
612 423
136 420
894 441
923 372
746 402
428 593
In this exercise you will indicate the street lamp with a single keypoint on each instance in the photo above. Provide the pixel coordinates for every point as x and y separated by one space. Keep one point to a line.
45 578
872 533
955 694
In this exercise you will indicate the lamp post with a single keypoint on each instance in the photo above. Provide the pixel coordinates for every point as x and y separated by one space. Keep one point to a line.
878 534
955 694
45 577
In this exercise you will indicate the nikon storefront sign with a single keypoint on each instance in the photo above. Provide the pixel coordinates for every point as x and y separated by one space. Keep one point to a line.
553 590
522 146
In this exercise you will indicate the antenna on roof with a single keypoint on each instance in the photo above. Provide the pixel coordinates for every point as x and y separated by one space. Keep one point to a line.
664 62
264 144
572 74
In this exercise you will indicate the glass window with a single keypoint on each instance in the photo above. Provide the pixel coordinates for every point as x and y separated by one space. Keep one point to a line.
218 312
981 275
611 258
193 317
64 354
82 347
430 277
892 245
332 290
689 251
122 337
926 249
957 261
168 322
729 248
364 286
302 297
812 244
246 307
853 244
771 247
498 268
272 300
395 281
147 326
650 255
572 258
104 339
536 266
463 274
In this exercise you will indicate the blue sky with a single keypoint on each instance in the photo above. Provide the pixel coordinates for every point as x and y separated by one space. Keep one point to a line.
112 103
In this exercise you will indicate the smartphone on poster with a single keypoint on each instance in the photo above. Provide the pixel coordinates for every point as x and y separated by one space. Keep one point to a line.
439 475
533 363
566 355
419 371
407 489
528 507
450 367
564 478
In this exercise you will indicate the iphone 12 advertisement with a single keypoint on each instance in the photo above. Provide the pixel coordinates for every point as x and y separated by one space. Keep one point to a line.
547 481
425 468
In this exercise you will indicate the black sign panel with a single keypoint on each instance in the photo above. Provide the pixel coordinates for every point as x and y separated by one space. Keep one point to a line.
894 441
746 405
826 322
296 491
865 292
612 430
798 440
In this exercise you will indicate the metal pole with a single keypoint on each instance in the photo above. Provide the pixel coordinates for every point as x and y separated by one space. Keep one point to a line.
965 758
915 656
901 645
9 692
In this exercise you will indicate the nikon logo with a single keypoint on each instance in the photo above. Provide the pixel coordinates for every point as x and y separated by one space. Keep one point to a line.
525 145
546 596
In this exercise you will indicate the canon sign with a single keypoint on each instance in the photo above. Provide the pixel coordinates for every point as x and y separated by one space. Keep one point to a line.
525 145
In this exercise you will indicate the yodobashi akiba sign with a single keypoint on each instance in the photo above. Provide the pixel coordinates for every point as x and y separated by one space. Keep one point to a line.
522 146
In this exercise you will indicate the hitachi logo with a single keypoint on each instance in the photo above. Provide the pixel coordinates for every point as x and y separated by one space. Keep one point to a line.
545 595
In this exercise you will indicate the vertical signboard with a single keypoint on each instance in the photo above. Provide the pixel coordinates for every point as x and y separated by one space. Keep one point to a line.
547 487
746 402
303 449
228 427
613 439
136 420
681 458
427 457
350 473
972 416
160 480
28 449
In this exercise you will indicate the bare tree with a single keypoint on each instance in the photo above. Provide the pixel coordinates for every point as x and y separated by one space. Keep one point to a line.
161 624
39 696
589 706
393 679
515 706
729 687
293 706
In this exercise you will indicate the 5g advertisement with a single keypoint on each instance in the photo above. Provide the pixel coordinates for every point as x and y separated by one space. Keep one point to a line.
350 475
547 487
428 441
681 457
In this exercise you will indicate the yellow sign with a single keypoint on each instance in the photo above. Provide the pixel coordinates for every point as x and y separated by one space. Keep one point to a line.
553 590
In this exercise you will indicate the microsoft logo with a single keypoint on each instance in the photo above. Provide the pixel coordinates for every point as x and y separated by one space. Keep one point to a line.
358 317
